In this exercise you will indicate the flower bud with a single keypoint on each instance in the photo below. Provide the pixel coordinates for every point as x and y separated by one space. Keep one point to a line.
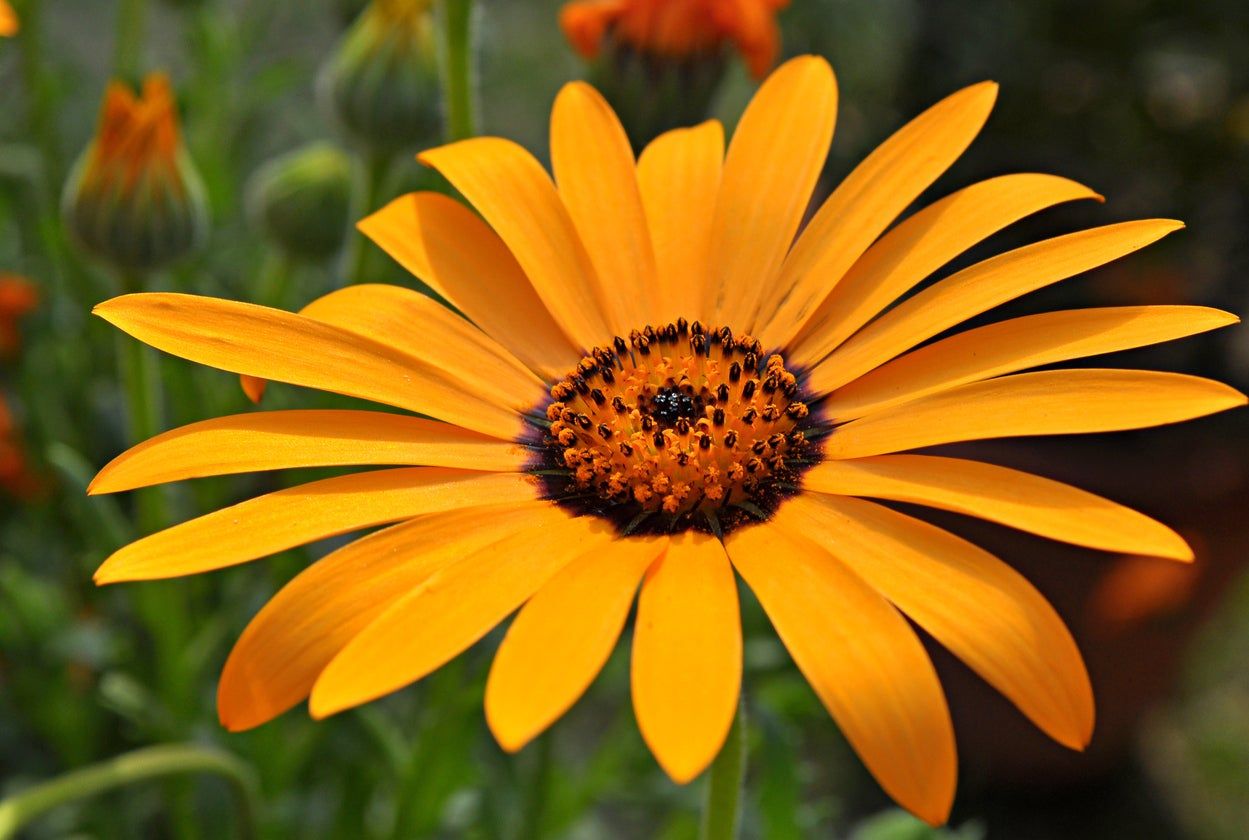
302 201
660 62
134 198
382 80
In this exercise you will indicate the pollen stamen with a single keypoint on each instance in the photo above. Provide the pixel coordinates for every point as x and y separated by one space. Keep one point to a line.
678 426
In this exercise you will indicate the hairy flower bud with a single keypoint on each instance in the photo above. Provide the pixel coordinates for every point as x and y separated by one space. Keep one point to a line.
660 62
302 200
382 80
134 199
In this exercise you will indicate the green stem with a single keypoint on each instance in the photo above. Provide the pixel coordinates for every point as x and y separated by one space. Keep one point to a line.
276 272
722 803
128 49
141 380
459 85
140 765
536 791
372 177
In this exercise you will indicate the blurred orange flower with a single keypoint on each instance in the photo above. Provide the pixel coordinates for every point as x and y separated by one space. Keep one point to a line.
678 27
17 297
8 20
16 478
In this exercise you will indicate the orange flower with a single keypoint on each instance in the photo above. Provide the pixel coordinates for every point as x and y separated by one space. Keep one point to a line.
17 297
8 20
677 28
134 198
659 383
16 478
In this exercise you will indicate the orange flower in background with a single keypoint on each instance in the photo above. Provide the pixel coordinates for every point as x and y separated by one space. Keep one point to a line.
677 28
660 384
8 20
16 477
18 296
134 198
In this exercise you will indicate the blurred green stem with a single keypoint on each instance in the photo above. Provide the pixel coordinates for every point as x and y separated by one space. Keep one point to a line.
722 803
128 50
141 381
372 177
275 278
536 791
140 765
458 83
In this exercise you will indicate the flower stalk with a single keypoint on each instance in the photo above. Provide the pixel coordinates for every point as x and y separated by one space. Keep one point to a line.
722 801
458 69
141 765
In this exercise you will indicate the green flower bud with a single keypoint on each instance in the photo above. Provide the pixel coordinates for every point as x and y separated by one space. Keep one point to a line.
382 80
302 200
134 198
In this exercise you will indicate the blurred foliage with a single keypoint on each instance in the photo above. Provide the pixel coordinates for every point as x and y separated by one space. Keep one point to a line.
1145 100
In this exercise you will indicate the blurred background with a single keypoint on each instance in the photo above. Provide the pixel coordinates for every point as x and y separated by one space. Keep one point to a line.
1146 101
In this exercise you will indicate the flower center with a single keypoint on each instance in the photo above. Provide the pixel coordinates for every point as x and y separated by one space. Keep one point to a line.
677 427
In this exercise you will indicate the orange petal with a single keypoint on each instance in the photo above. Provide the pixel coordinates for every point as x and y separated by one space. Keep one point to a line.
970 601
419 326
300 515
1018 344
457 255
292 639
978 289
687 655
454 608
277 440
997 494
560 639
514 194
865 663
271 344
594 168
1052 402
919 246
773 163
679 175
866 203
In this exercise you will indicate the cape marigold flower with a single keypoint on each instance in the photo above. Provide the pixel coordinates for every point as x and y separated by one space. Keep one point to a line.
743 396
8 20
18 296
134 198
660 62
677 28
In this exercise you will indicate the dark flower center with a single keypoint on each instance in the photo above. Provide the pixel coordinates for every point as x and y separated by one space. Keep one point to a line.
677 427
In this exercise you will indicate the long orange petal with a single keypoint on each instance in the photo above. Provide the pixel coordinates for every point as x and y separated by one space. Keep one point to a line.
970 601
562 637
1009 497
1052 402
978 289
278 440
679 176
595 171
291 640
687 655
773 163
457 255
454 608
865 663
866 203
516 196
271 344
298 515
920 245
1018 344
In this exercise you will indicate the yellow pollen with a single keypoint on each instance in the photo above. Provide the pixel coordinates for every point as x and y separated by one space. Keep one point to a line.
676 427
